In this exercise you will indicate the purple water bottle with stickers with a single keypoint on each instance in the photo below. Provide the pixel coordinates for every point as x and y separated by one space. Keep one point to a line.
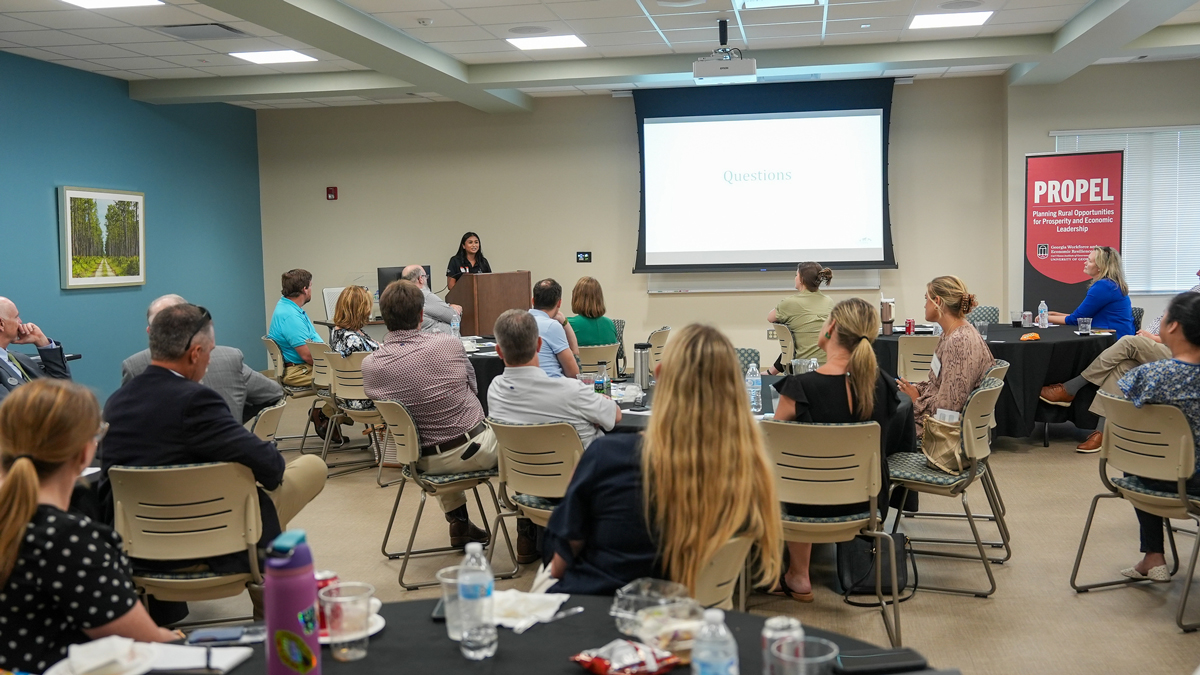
290 599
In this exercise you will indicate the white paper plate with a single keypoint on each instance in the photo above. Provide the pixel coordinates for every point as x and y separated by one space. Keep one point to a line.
377 623
143 660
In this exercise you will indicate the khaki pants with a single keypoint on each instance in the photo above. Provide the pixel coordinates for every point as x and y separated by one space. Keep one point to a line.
1128 353
451 462
303 480
298 375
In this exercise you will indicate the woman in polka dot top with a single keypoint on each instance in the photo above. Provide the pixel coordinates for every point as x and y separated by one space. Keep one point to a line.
63 577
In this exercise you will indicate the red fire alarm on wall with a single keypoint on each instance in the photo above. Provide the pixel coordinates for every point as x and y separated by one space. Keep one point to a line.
330 193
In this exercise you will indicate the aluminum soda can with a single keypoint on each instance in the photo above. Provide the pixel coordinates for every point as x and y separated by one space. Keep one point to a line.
910 326
324 578
775 628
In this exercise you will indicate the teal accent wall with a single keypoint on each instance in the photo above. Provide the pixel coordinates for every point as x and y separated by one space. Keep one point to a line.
197 165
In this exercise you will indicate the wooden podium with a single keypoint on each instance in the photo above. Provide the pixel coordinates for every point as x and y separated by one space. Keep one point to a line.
484 297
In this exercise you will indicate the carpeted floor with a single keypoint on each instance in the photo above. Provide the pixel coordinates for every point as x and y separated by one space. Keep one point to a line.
1034 623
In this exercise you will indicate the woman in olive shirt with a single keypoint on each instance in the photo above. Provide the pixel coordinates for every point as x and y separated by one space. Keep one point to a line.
589 323
804 313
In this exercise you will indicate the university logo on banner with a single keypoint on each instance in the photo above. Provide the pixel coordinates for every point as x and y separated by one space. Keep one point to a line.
1072 204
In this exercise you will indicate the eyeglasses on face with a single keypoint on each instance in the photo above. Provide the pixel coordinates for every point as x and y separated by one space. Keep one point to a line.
201 323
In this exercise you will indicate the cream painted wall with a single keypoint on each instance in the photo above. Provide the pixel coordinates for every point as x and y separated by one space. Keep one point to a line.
539 187
1100 97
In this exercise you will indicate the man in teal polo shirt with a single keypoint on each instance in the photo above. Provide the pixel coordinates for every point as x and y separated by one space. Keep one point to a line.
291 329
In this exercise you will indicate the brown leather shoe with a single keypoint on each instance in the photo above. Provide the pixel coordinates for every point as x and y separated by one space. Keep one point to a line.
527 551
462 532
1054 394
1092 444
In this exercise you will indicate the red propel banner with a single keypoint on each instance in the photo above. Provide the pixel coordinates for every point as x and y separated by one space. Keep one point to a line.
1072 203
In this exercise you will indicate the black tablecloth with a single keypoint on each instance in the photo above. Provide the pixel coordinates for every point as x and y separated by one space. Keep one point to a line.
1059 356
487 367
413 643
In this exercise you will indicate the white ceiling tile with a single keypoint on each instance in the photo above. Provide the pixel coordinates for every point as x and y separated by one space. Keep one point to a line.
278 101
310 67
863 38
611 25
337 104
352 66
377 6
1026 4
863 10
399 101
203 60
250 28
82 65
595 9
514 56
240 45
211 14
4 44
563 54
126 75
784 42
449 34
618 51
615 39
328 99
783 30
31 5
1019 29
93 51
406 20
708 35
757 17
135 63
305 104
503 31
249 104
158 15
530 90
248 69
44 38
656 10
933 6
176 48
1060 13
475 47
172 73
35 53
282 41
116 36
696 20
876 24
467 4
511 14
66 19
927 34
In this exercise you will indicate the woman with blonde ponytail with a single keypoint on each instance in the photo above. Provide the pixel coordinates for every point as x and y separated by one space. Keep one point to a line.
64 577
663 504
804 313
848 388
961 358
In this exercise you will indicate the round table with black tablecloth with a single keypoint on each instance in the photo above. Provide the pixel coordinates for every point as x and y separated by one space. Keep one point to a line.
488 367
413 643
1058 356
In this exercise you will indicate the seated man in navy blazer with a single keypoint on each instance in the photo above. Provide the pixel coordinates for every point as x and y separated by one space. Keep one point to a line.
17 368
165 417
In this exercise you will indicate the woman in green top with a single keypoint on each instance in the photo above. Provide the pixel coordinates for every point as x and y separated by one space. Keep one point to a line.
804 313
589 323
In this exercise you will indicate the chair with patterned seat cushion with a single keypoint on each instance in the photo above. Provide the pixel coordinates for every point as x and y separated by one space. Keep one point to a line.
1138 314
748 357
988 313
1153 442
536 462
188 512
833 465
343 380
909 471
278 365
403 431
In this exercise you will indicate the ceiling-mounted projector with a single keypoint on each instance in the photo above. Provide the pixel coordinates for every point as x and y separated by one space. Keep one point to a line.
725 65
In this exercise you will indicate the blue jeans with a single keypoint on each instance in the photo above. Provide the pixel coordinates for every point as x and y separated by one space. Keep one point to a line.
1152 525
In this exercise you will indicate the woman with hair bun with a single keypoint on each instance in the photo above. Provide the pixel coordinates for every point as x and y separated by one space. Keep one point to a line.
849 387
961 358
804 313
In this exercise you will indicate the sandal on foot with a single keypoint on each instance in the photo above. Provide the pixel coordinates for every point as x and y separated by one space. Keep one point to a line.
799 597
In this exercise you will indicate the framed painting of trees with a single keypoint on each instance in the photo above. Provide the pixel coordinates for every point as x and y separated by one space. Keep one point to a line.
101 237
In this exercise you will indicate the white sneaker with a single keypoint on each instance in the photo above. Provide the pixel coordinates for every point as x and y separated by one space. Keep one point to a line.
1158 575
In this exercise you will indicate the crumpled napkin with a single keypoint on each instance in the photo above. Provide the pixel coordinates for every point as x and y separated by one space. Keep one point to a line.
511 607
106 656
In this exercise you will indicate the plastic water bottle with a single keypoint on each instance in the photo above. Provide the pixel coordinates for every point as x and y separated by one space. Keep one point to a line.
603 383
714 651
454 325
475 605
1043 315
290 607
754 388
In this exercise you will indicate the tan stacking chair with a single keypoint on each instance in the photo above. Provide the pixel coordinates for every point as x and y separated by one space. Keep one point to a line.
787 345
408 451
1155 442
590 358
536 463
831 465
323 384
916 356
909 471
277 363
719 578
658 342
167 513
344 375
266 422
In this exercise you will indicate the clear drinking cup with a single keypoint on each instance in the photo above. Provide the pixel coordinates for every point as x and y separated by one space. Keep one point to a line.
799 366
807 656
1085 326
588 378
1015 317
348 615
982 327
448 578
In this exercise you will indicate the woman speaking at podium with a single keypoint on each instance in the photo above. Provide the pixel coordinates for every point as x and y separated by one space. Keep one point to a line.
468 260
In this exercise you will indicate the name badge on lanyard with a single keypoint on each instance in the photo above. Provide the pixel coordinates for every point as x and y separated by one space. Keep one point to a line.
936 366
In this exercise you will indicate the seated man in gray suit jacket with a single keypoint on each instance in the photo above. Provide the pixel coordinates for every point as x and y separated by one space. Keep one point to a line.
17 368
438 313
245 390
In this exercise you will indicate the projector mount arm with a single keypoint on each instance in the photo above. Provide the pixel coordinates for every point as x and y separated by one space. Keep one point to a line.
725 52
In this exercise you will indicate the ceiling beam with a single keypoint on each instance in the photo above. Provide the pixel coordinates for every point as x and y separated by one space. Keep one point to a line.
268 87
1092 35
340 29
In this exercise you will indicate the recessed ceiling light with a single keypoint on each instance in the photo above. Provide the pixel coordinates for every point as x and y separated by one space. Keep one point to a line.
765 4
529 30
548 42
112 4
954 20
961 4
280 56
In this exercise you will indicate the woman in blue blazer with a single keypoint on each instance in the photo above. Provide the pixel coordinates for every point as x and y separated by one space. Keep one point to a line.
1107 299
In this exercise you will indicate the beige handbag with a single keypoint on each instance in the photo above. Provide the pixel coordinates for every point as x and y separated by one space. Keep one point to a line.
942 444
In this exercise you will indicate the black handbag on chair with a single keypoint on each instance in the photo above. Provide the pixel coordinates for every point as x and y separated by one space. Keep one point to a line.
856 561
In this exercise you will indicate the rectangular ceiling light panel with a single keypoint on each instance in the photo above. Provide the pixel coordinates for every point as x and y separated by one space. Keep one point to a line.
951 20
281 56
548 42
766 4
112 4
